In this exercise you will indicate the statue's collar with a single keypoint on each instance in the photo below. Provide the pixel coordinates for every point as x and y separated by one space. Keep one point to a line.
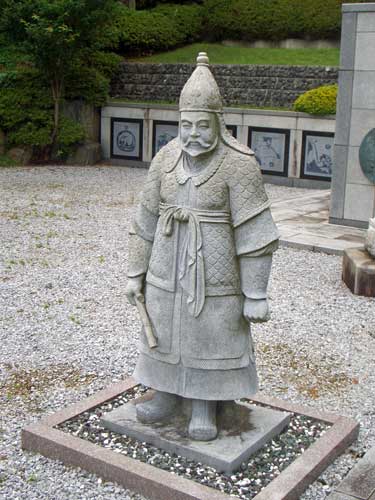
217 158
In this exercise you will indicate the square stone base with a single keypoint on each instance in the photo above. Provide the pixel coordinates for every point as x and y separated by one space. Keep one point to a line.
243 430
358 272
43 437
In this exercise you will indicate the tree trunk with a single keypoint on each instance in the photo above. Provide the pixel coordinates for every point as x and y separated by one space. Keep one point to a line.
56 94
130 3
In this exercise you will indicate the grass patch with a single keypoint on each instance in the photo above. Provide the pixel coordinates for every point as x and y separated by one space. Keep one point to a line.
6 161
311 377
123 100
75 320
266 108
24 383
119 100
221 54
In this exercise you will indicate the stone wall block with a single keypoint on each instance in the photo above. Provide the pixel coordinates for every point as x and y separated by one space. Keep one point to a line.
85 114
358 272
238 83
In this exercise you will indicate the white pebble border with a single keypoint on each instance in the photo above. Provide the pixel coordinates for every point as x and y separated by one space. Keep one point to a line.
67 331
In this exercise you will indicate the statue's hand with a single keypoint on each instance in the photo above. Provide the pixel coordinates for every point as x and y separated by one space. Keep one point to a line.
134 290
256 311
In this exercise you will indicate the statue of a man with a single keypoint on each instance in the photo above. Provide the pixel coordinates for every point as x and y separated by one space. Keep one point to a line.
200 257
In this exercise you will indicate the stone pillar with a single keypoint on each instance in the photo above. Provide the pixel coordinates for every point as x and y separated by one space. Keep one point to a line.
353 194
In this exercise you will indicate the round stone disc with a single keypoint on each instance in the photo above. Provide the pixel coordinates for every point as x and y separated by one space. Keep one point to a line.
367 155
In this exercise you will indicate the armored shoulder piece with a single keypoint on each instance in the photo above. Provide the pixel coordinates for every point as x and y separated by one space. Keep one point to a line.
237 146
167 158
247 194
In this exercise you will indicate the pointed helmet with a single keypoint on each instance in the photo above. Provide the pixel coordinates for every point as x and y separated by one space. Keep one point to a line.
201 92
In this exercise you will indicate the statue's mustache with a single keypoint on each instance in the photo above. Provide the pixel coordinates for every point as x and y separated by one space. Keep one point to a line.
193 142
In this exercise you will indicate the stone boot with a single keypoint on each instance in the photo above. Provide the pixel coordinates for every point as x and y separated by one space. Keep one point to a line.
162 406
202 425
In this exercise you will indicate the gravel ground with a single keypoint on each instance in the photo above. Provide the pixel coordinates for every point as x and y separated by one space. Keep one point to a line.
67 331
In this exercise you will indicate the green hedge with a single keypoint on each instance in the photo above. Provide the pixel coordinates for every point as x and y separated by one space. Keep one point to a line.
162 28
319 101
26 113
272 19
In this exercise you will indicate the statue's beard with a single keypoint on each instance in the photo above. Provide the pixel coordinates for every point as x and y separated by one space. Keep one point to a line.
198 147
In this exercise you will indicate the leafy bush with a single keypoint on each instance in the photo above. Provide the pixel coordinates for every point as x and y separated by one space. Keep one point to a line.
319 101
6 161
67 44
23 98
150 4
88 84
12 58
166 26
272 19
26 113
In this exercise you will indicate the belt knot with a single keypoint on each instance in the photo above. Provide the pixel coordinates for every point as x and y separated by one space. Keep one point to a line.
191 263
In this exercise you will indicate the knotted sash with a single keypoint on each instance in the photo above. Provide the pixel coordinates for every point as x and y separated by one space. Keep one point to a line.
191 261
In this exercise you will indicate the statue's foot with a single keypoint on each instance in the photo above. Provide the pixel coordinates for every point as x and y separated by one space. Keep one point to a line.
202 425
162 406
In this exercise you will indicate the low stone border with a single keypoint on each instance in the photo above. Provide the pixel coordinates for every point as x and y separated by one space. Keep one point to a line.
157 484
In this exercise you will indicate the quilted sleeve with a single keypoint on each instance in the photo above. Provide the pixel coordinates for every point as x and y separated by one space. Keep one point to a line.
256 236
141 235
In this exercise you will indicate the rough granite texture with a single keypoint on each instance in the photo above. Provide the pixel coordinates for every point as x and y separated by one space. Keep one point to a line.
260 85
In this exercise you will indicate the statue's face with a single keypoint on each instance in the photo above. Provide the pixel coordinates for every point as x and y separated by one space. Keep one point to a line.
198 132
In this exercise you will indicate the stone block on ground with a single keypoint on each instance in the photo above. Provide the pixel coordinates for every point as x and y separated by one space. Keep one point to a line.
21 154
358 271
360 482
243 429
86 154
85 114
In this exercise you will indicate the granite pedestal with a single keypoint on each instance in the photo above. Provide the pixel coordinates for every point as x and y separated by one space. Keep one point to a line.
243 429
358 271
47 438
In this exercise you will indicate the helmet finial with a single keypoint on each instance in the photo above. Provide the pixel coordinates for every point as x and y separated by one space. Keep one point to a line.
201 92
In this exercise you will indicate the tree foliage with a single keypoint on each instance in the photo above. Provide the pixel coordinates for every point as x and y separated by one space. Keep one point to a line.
67 42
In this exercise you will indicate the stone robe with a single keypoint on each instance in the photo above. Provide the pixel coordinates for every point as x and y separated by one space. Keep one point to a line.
187 237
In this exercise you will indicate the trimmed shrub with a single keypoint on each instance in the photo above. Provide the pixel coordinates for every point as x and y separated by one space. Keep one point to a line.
319 101
250 20
162 28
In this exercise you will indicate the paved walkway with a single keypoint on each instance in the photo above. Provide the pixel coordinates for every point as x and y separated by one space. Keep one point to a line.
303 223
359 484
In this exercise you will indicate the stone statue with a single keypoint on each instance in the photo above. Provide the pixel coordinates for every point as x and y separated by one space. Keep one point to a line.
201 248
370 238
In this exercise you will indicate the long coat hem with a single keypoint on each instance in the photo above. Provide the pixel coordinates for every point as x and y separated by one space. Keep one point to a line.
192 383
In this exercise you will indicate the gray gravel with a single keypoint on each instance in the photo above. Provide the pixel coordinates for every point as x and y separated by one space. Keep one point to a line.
67 331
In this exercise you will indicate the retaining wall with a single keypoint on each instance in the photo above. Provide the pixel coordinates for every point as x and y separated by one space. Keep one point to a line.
257 85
